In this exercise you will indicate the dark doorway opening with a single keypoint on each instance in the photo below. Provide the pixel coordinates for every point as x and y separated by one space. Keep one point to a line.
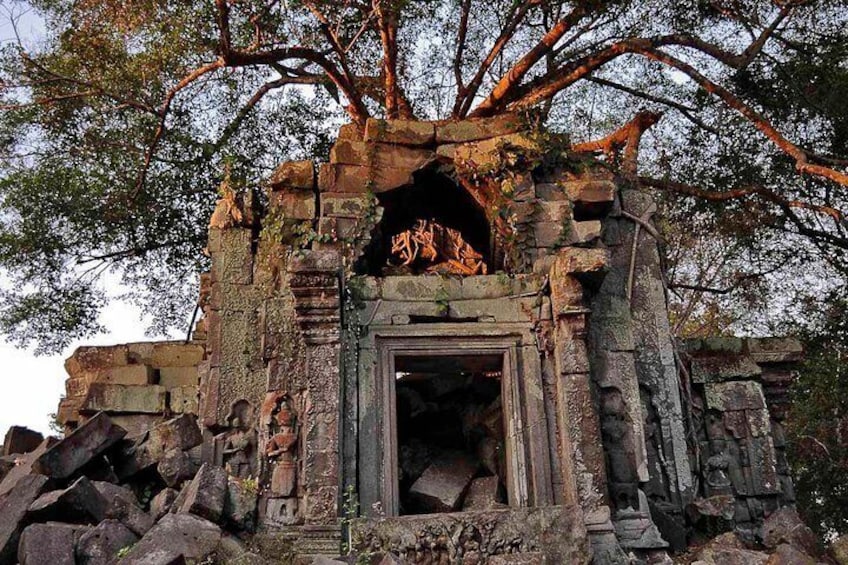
450 434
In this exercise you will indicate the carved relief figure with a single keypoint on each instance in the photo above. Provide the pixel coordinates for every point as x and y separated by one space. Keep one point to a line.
280 422
238 446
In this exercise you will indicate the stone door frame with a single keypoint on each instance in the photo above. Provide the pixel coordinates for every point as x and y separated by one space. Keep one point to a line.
414 341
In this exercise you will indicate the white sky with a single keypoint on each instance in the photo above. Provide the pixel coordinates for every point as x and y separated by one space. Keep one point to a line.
30 386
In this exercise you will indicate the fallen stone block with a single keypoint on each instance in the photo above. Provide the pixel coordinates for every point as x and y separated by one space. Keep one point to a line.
531 558
7 462
162 502
101 545
441 486
482 494
13 509
86 442
240 504
786 554
22 466
712 515
181 433
49 544
175 467
124 507
173 537
785 526
79 503
123 399
206 493
728 549
19 439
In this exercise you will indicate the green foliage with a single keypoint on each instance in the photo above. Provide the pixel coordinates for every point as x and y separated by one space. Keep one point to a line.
818 422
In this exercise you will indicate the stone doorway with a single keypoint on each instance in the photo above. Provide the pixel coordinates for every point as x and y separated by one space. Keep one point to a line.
451 441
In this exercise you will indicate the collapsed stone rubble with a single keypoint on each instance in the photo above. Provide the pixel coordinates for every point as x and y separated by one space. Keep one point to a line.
359 389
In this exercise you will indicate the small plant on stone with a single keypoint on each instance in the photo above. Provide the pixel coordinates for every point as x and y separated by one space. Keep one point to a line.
251 485
124 551
350 510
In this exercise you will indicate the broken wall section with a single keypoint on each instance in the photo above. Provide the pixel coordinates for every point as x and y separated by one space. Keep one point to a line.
740 389
135 383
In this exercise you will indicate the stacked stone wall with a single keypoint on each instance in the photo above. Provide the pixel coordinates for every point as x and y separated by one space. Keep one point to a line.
135 383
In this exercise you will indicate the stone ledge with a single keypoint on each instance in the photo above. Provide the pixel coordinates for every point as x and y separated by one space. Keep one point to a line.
476 129
402 132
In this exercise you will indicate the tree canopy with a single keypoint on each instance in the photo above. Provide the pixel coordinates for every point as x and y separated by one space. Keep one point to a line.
117 124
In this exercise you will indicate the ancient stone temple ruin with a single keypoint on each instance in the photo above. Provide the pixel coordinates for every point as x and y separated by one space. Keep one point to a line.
450 344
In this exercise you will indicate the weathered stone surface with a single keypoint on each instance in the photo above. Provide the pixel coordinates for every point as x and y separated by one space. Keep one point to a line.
482 494
735 395
785 526
480 128
555 531
775 350
490 153
713 514
591 191
89 440
380 155
161 503
293 174
724 368
79 503
124 507
441 487
128 375
13 509
206 493
106 397
429 289
19 439
340 205
172 377
240 504
839 549
360 180
180 433
100 545
531 558
48 544
183 400
786 554
402 132
175 467
21 465
175 536
294 205
322 560
728 549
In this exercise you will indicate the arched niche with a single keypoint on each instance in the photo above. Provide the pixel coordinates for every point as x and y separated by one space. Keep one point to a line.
446 209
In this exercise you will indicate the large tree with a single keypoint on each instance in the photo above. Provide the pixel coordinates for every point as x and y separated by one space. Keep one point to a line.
116 127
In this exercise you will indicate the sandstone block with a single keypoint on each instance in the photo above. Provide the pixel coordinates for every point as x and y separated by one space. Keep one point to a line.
489 153
723 368
175 536
413 289
785 527
89 440
79 503
293 174
380 155
351 132
294 205
839 549
590 191
96 357
100 545
13 509
556 212
48 544
172 377
143 399
23 466
403 132
19 439
341 205
479 128
361 180
128 375
183 400
161 503
482 494
442 485
178 354
735 395
775 350
175 467
206 493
